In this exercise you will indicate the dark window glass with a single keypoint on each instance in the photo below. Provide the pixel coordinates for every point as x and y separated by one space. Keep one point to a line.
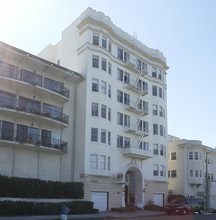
29 105
9 71
54 86
46 138
51 111
33 135
31 77
22 133
7 100
7 130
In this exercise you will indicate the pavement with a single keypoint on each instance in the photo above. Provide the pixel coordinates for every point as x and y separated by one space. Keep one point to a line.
101 215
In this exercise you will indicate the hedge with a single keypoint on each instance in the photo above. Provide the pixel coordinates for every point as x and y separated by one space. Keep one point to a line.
19 208
16 187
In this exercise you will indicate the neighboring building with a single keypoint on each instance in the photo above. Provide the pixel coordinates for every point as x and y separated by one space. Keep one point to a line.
117 132
36 116
187 169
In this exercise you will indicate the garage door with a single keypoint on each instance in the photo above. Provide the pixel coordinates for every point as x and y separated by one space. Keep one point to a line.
100 200
158 199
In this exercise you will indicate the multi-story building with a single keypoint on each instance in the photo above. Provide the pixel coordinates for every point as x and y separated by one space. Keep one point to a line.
187 169
36 116
117 131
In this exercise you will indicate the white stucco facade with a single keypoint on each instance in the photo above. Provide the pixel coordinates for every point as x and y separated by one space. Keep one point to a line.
187 169
117 131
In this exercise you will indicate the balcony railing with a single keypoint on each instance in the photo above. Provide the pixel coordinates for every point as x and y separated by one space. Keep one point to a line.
134 129
33 139
31 107
135 152
12 72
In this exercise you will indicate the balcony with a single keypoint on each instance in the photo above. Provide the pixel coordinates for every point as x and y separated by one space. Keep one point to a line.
134 152
33 110
195 181
32 141
136 88
133 107
133 129
30 81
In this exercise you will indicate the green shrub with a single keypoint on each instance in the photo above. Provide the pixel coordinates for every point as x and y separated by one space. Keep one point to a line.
19 208
35 188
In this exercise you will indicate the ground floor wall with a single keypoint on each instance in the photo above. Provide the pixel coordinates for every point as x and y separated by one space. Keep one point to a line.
22 162
103 184
155 187
115 191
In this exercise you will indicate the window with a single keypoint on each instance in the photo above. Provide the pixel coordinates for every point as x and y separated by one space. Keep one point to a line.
173 156
159 73
103 87
110 46
95 85
22 133
120 53
94 134
162 170
200 173
154 90
161 130
190 173
95 61
155 170
196 173
102 162
120 74
103 111
119 118
126 142
103 136
155 149
104 42
119 141
126 57
109 138
160 92
126 120
145 126
109 114
109 91
109 68
138 65
103 64
154 72
96 39
33 135
46 138
94 161
196 156
168 173
190 155
126 78
155 129
7 130
144 67
160 111
94 109
162 150
119 96
155 109
143 145
108 163
173 173
126 99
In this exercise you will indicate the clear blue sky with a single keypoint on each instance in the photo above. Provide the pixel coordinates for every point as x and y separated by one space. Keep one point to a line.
184 30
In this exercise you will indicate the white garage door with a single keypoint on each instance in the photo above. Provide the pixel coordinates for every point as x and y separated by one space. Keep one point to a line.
158 199
100 200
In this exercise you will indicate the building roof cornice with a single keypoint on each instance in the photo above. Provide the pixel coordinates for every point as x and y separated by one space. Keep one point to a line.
90 16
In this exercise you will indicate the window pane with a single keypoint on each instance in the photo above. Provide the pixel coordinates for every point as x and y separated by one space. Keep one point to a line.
7 130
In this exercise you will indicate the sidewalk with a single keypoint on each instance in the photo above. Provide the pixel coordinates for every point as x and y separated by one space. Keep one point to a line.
102 215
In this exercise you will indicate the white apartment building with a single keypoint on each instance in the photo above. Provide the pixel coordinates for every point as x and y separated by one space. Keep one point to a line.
117 130
187 169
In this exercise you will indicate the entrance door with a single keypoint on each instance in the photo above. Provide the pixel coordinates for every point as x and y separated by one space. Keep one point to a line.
158 199
130 188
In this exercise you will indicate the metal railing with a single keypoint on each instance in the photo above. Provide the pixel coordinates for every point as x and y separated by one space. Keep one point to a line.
31 107
12 72
32 138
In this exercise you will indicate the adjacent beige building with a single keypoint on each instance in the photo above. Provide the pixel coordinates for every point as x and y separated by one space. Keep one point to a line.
187 169
105 122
